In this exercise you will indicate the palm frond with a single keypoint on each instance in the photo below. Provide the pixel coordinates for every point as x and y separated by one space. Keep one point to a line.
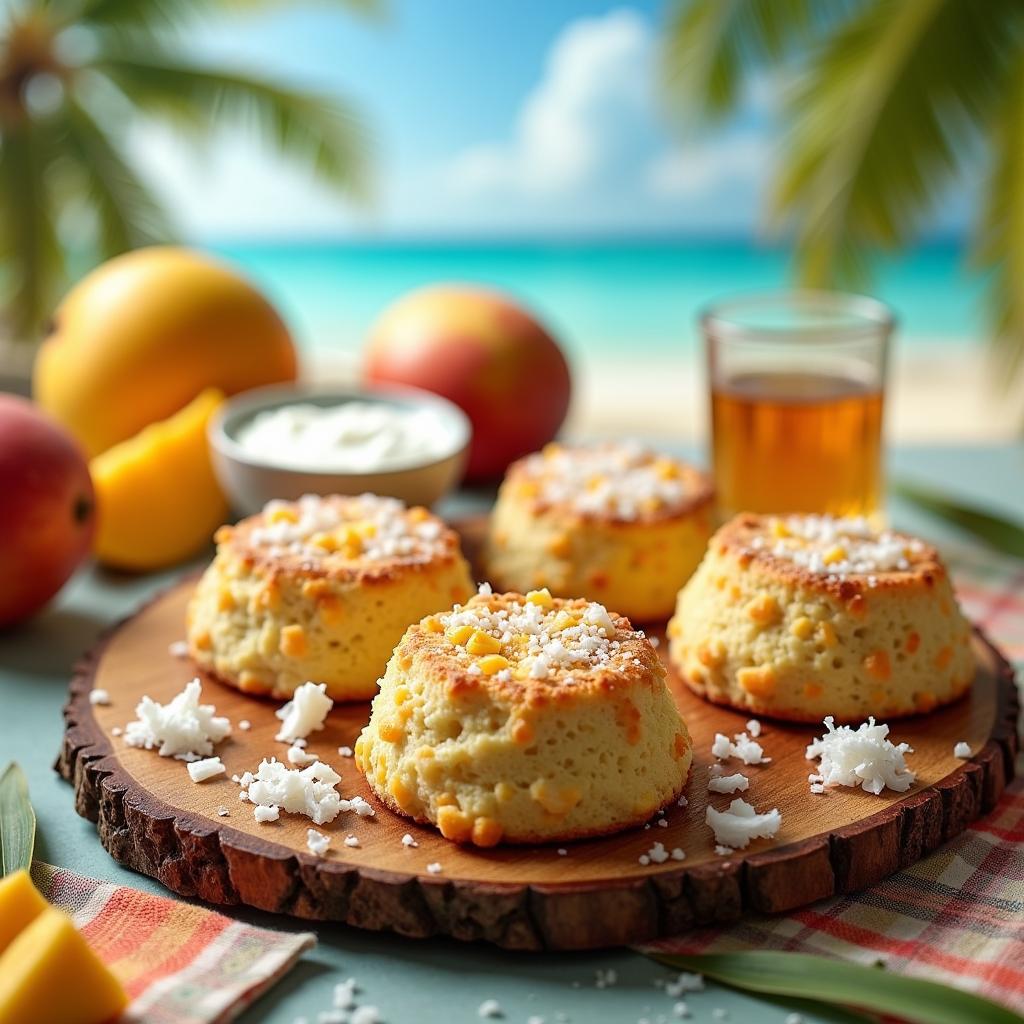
885 117
127 212
999 247
29 247
163 14
320 132
712 45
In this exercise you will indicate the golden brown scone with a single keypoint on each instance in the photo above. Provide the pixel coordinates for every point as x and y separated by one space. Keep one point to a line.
321 589
616 523
805 616
525 719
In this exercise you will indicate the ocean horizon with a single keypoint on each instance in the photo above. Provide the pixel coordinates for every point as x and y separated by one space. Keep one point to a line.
600 298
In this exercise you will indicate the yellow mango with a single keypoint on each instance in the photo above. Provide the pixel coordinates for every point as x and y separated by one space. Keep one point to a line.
157 499
20 904
142 335
49 973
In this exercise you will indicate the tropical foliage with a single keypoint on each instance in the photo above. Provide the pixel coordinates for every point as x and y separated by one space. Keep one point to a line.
892 101
74 74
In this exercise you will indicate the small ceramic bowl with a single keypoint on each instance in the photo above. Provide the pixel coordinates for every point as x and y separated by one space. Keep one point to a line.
249 481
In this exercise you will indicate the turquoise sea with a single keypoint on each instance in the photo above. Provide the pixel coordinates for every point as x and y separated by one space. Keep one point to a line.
608 298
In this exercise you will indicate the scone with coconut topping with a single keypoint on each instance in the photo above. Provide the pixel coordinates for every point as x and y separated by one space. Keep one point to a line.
321 589
806 616
525 719
615 523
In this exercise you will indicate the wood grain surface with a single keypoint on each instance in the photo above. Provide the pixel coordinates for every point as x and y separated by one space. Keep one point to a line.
152 818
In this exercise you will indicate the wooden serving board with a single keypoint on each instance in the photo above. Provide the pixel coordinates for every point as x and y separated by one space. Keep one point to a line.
152 818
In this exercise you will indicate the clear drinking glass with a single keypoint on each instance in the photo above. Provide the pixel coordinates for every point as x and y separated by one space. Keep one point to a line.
797 382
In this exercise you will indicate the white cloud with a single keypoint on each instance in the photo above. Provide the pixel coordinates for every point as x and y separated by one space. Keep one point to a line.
702 166
596 80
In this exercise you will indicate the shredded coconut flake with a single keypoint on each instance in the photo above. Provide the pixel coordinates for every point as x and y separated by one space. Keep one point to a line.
434 869
740 746
683 983
728 783
741 823
178 649
840 547
861 757
317 842
200 771
299 757
245 725
345 751
264 813
588 642
304 713
407 840
754 728
184 728
489 1009
308 791
99 696
623 480
352 841
962 749
373 528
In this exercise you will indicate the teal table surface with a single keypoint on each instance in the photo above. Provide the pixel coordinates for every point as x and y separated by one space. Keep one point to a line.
411 982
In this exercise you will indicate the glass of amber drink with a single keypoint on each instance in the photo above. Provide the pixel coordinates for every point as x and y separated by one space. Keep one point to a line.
797 382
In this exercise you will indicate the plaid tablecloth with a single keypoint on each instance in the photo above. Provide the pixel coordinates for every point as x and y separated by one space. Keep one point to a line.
179 963
958 915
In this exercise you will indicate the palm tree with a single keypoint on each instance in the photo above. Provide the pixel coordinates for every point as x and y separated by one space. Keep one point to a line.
893 101
70 72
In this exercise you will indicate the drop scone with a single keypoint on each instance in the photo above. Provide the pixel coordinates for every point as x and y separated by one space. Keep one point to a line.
806 616
616 523
524 719
321 589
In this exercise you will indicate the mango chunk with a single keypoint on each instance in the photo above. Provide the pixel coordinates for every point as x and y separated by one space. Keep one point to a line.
49 973
20 904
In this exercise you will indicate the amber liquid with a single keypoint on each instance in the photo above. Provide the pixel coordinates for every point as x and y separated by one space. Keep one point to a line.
793 442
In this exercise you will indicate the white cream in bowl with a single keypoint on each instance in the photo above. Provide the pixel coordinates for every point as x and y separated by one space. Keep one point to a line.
351 437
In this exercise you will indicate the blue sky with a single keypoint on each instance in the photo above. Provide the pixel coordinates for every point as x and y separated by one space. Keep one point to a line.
535 118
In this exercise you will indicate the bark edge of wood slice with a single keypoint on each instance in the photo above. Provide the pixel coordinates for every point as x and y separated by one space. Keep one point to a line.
194 857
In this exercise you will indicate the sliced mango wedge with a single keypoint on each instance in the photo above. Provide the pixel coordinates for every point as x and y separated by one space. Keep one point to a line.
157 498
49 973
20 905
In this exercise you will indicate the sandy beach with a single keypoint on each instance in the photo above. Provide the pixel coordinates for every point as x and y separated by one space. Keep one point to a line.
937 395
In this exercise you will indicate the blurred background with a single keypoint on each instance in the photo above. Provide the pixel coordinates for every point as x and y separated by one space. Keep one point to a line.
614 166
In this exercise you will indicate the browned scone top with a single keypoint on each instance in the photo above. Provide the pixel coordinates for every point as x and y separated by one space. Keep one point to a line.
357 539
518 629
609 483
838 557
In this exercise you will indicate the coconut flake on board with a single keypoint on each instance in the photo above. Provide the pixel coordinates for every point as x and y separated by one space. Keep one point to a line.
304 713
184 728
739 824
737 783
860 757
310 791
741 746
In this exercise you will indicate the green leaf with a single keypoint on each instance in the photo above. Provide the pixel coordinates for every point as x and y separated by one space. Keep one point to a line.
17 822
1000 533
836 981
319 132
128 213
999 247
31 254
711 45
159 14
886 115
